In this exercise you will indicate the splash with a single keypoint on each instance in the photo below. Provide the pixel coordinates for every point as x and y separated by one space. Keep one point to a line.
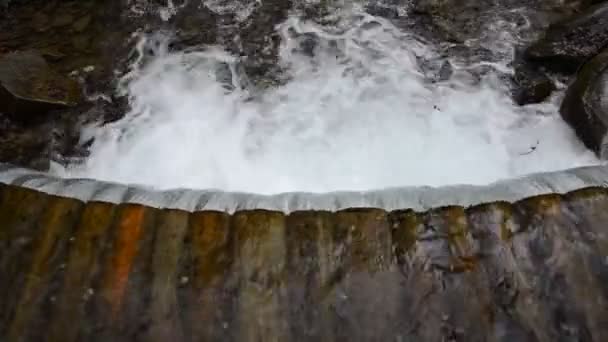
354 112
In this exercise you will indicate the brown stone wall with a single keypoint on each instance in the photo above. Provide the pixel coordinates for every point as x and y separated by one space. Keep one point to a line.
534 270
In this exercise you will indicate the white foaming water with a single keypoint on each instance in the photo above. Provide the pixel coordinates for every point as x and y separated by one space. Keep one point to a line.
357 115
242 9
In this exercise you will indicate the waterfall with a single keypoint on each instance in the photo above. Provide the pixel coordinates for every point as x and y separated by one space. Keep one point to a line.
360 104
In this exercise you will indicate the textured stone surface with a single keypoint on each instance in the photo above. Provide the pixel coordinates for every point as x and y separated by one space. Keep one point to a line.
475 19
52 234
29 88
585 106
534 270
530 85
571 42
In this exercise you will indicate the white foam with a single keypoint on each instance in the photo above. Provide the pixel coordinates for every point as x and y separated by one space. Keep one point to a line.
241 9
358 115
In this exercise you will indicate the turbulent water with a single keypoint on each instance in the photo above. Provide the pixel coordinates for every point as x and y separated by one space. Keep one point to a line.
355 111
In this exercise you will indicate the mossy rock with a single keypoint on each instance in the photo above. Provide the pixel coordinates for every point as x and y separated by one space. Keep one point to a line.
29 88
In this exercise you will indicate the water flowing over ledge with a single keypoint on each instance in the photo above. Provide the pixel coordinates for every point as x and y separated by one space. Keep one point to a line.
417 198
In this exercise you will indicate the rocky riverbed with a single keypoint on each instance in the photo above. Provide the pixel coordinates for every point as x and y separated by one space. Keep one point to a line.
60 60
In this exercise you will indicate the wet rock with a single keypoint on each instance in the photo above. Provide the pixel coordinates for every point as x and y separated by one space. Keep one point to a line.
82 23
192 30
585 106
30 88
382 10
569 43
436 70
40 22
534 271
530 85
260 42
457 26
468 55
464 20
73 36
25 146
62 19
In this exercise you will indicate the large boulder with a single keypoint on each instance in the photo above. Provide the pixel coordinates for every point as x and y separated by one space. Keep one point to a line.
585 106
569 43
29 88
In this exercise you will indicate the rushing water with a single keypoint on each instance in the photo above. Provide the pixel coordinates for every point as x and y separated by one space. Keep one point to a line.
355 112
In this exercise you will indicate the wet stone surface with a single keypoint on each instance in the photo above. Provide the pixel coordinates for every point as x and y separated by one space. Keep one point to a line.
29 88
569 43
533 270
69 49
585 107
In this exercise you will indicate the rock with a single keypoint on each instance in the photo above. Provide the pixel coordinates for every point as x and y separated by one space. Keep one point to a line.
40 22
569 43
82 23
530 85
436 70
62 19
29 88
259 44
463 20
382 10
25 146
585 106
469 55
457 26
193 30
529 271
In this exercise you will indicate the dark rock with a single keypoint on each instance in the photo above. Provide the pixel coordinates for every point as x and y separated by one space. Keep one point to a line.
463 20
192 30
457 26
29 88
469 55
82 23
260 42
62 19
72 36
25 146
445 72
382 10
585 106
569 43
530 85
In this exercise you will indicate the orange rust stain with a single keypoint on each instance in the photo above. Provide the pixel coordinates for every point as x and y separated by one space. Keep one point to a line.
130 229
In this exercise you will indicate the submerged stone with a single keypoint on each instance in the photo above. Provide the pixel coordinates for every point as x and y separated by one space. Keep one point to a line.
585 106
29 88
530 85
